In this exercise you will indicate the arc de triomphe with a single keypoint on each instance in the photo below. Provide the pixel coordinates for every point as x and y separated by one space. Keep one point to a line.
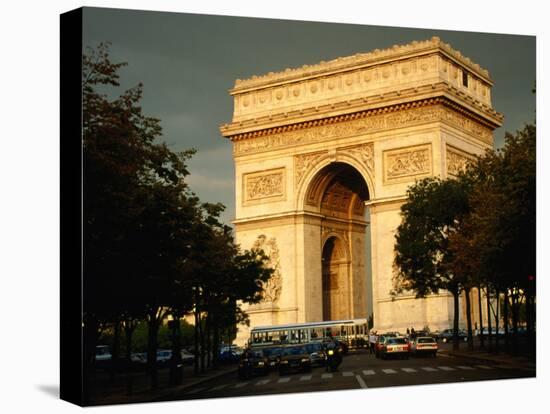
316 146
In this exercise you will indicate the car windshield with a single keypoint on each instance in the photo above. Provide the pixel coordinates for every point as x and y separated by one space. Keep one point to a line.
295 350
426 340
397 341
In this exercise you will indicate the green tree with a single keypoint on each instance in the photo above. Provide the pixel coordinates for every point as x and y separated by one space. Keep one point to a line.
432 212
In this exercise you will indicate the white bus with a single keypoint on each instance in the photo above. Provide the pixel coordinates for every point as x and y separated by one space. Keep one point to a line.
353 331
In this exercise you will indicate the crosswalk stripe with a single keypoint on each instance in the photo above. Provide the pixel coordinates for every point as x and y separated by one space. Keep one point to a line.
443 368
263 382
368 372
361 382
483 367
389 371
195 390
347 374
464 367
305 378
327 375
409 369
241 384
429 369
219 387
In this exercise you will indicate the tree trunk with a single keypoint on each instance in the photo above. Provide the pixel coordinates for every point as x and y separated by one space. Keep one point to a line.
202 345
208 342
481 336
129 327
175 361
469 319
456 297
489 327
152 346
497 322
215 342
196 341
115 354
506 321
515 318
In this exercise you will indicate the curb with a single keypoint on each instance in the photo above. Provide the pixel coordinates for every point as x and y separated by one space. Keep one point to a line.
488 360
181 388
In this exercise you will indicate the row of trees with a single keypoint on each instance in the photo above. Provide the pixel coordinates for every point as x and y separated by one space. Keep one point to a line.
476 232
152 250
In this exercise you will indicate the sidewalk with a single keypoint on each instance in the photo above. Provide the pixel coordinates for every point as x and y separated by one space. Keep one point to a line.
142 392
502 358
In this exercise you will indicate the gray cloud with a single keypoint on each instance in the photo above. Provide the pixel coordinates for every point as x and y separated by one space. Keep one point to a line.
188 62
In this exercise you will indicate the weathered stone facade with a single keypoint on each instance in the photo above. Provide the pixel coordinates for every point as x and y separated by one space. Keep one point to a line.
315 146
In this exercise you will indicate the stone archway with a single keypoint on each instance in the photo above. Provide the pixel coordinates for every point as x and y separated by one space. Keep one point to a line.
316 146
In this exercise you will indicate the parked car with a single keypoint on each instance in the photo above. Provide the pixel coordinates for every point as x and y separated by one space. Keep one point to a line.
229 357
424 345
102 353
398 347
187 357
253 362
294 358
139 357
316 353
447 335
379 345
163 356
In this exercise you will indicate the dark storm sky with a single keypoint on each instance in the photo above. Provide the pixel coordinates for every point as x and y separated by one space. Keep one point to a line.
187 62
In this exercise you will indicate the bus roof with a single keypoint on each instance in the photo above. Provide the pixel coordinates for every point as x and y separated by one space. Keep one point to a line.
308 325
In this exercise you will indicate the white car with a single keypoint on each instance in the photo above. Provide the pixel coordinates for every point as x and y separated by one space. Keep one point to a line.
187 357
424 345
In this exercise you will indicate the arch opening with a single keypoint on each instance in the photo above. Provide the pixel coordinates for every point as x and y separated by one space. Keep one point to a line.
338 193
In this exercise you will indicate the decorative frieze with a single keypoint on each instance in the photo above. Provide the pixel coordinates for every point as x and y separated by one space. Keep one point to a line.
407 163
262 185
361 124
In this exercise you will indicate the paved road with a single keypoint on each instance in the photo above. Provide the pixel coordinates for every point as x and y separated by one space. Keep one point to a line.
357 371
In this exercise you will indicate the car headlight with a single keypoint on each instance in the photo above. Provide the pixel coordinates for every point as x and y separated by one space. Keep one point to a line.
284 362
305 359
261 363
331 352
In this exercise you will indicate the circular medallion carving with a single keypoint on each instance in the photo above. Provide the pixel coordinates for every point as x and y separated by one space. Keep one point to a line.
246 102
296 92
349 81
331 84
279 95
313 88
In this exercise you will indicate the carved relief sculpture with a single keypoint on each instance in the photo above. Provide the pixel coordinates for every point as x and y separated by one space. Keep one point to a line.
407 163
274 286
456 162
264 185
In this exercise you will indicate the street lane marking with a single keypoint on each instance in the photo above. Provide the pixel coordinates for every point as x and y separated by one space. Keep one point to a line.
483 367
284 379
327 375
263 382
409 369
389 371
447 368
430 369
347 374
305 378
361 381
195 390
464 367
241 384
219 387
368 372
